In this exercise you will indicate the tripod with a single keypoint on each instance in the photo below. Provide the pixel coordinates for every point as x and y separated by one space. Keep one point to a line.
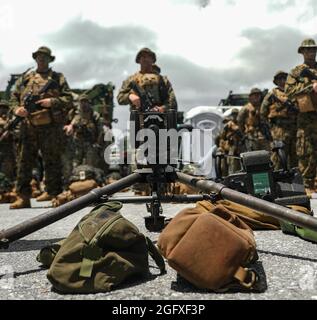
215 190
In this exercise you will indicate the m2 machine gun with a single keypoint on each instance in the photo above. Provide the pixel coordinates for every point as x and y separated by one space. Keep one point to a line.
211 188
254 189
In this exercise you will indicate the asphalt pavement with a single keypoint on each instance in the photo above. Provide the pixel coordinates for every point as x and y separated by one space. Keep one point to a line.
287 265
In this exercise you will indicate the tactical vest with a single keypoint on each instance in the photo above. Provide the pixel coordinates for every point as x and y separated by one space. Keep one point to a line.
277 110
33 82
232 133
154 84
252 120
307 102
87 127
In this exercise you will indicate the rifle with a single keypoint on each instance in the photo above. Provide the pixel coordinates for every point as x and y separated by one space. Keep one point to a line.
30 105
265 129
306 73
290 106
147 100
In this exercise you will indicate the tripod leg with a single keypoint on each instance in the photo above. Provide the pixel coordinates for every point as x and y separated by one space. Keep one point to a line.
51 216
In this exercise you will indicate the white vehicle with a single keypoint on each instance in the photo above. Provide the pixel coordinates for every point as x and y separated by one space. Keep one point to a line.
199 145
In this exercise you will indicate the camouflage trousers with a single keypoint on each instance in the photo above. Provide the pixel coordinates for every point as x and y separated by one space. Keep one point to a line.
234 164
47 140
256 141
87 153
286 132
8 164
67 158
306 146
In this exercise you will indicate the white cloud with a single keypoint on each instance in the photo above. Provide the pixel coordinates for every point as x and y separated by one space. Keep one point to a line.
216 40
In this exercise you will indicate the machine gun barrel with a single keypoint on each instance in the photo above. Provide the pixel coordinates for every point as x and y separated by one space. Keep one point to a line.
53 215
268 208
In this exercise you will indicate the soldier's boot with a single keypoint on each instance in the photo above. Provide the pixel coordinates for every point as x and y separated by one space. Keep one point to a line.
8 197
309 192
44 197
21 202
309 187
36 192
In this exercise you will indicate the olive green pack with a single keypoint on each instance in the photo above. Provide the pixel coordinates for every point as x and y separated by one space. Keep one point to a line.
301 232
102 251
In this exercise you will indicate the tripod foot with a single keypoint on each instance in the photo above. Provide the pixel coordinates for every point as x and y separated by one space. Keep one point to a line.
155 223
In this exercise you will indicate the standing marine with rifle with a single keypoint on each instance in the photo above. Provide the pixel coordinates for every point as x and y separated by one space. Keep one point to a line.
40 101
301 86
147 90
150 81
257 135
281 115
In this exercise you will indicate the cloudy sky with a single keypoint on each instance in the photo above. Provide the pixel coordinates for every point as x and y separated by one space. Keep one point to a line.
205 47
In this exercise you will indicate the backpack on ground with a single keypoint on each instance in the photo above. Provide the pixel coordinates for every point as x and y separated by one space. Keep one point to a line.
211 248
102 252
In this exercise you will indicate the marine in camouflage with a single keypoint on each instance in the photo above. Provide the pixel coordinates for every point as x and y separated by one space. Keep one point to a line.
38 136
282 121
7 147
300 89
87 135
249 121
159 86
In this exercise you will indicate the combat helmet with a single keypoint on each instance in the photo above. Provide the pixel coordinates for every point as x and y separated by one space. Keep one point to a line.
145 50
307 43
255 91
278 74
44 50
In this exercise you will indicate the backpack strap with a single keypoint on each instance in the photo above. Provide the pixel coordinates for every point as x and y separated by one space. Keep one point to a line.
247 277
90 255
156 256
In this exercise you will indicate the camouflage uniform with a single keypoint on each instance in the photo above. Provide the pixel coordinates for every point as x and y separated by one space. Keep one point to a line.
68 150
282 122
223 148
249 122
87 131
233 136
7 148
299 88
41 131
158 86
229 143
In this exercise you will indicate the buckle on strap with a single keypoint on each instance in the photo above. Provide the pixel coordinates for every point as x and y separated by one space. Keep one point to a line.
243 274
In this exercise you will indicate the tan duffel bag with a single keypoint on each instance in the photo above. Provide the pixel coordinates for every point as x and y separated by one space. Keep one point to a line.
254 219
211 250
